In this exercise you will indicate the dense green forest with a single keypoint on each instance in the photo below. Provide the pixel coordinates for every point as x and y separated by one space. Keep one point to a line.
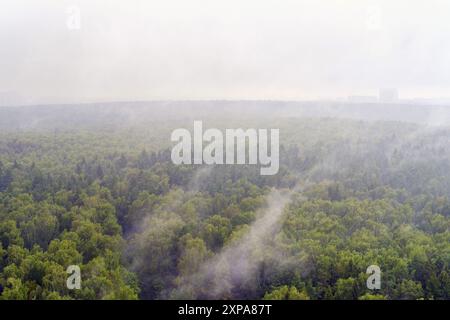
95 188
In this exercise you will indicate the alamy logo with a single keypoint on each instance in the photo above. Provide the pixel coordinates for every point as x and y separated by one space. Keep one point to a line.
249 146
374 280
73 21
74 280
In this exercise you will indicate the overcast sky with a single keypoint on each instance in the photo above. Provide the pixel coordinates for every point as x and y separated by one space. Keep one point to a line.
229 49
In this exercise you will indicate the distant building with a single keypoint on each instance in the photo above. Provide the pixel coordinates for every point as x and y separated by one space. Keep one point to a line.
388 95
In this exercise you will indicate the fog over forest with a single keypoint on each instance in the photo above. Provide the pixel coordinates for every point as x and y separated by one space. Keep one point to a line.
359 184
99 201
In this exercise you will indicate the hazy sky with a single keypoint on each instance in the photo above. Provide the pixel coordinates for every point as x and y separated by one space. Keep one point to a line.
229 49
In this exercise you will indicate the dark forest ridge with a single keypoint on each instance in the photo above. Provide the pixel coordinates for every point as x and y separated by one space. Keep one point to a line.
122 113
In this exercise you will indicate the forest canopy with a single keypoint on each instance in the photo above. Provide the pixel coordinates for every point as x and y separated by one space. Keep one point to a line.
94 186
